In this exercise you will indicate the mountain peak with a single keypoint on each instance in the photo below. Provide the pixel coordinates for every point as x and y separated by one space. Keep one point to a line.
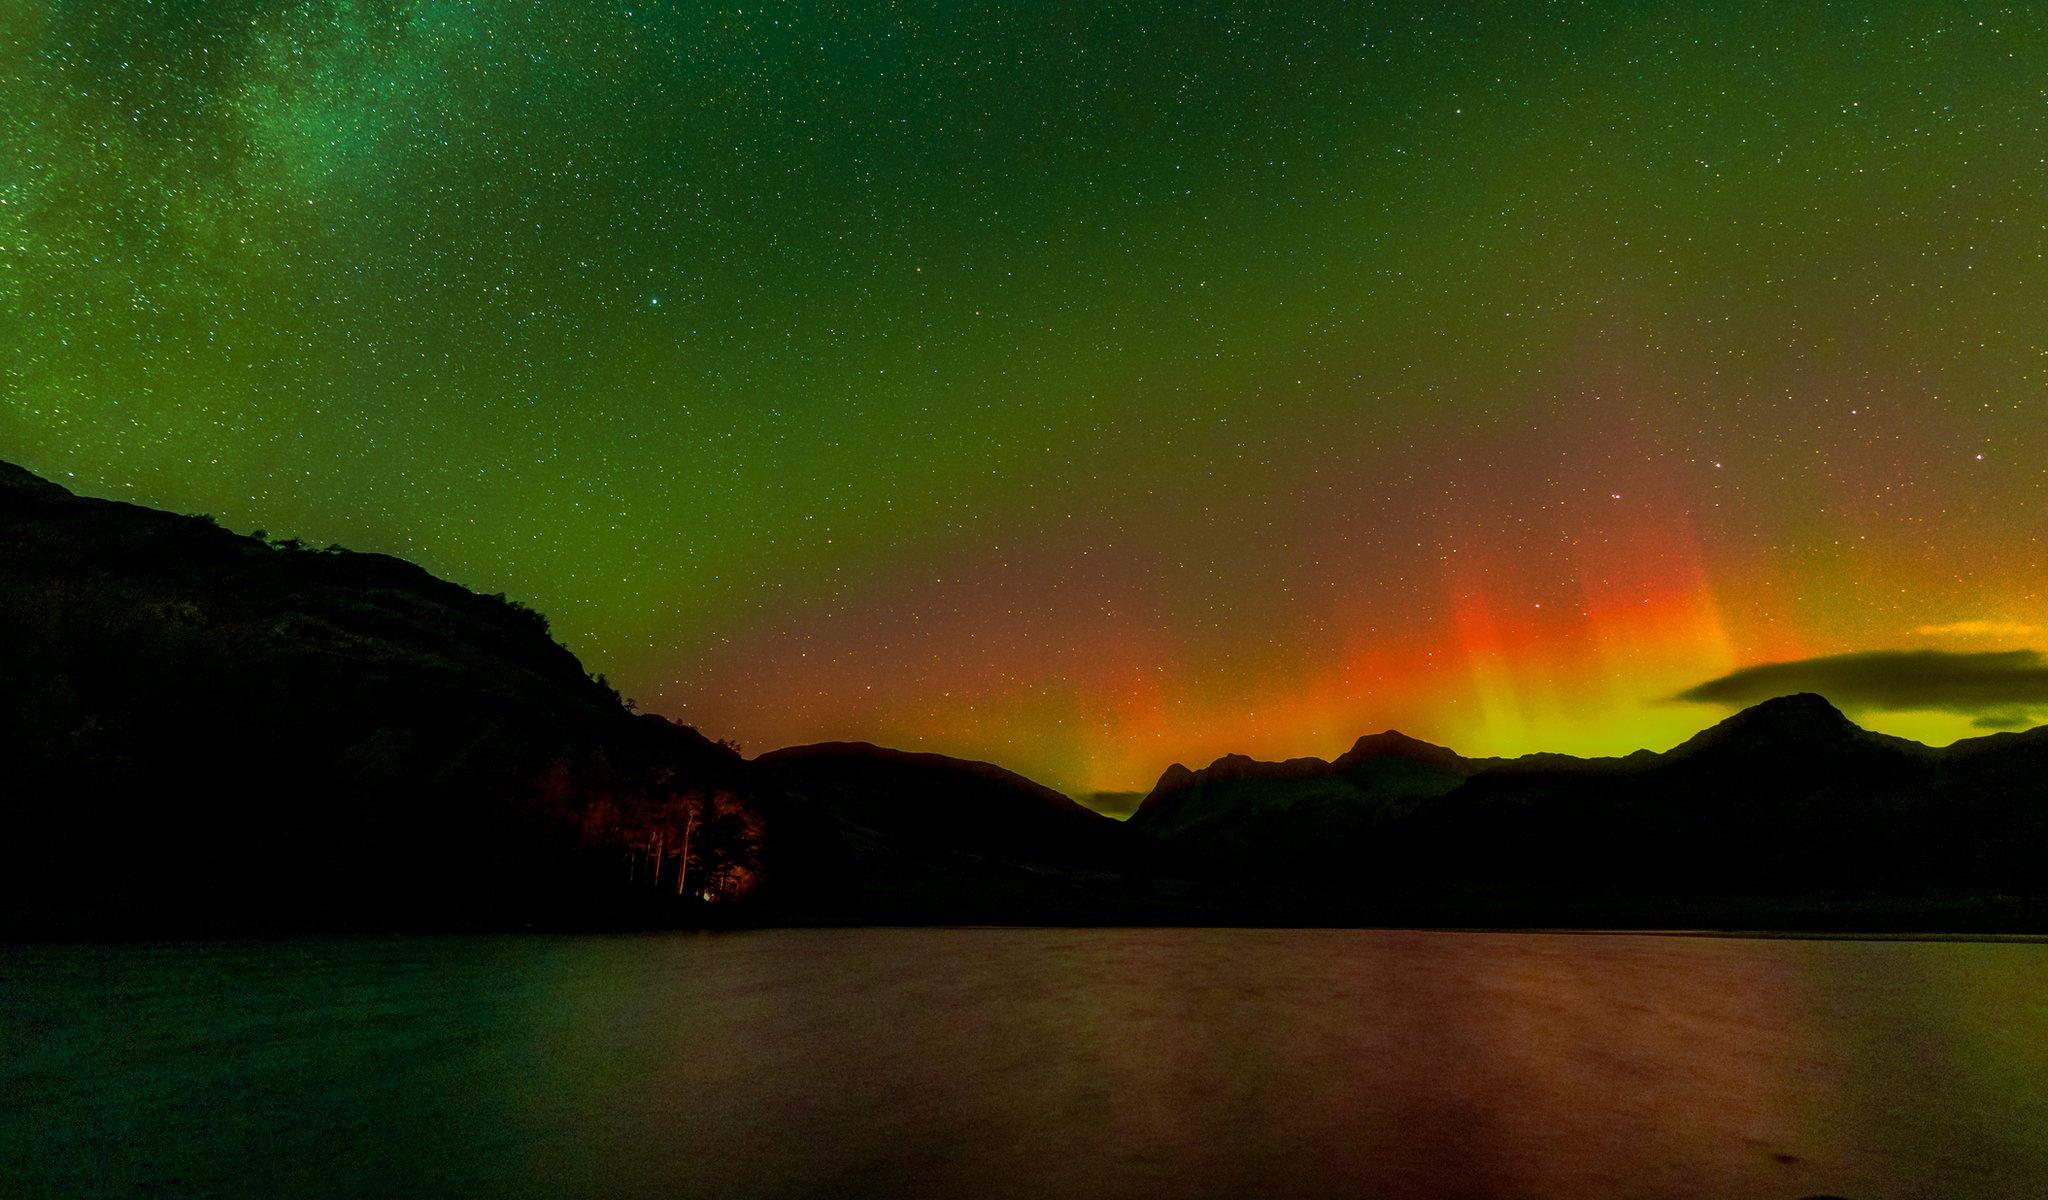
1173 781
1804 711
1177 779
1799 719
1392 743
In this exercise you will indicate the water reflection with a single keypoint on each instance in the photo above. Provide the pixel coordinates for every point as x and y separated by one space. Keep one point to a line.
1075 1063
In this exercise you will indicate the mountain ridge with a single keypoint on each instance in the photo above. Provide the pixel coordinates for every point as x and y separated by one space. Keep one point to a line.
1787 794
211 731
1795 717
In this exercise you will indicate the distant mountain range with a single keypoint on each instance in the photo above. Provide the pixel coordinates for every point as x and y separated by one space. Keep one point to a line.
1787 798
206 731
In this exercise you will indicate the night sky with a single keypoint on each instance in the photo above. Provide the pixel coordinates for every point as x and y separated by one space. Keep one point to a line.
1085 387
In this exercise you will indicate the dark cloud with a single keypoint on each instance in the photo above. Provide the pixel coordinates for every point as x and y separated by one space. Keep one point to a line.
2003 720
2000 686
1114 804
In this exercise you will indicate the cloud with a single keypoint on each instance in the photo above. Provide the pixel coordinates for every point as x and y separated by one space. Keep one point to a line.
2003 720
1998 685
1990 629
1114 804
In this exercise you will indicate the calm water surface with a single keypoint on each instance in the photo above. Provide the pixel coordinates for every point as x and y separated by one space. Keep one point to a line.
1066 1063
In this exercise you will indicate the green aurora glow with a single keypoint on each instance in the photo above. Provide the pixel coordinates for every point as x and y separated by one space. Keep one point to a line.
1080 387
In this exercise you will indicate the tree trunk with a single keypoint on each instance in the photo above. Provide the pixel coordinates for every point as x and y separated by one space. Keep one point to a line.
683 860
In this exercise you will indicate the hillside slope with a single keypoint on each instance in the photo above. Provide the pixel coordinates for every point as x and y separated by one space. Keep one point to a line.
205 730
925 837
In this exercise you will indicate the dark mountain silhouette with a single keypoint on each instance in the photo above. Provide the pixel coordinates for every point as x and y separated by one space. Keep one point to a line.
946 803
1786 801
1395 745
206 729
1259 818
925 837
200 730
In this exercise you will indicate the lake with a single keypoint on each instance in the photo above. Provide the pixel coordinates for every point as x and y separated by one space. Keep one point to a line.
1030 1062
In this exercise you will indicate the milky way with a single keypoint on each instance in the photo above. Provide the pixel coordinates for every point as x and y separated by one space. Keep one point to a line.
1078 387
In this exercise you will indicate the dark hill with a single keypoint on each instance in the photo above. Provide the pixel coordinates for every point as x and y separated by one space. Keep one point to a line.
927 837
937 801
203 729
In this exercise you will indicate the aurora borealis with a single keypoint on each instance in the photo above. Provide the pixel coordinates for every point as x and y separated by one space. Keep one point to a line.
1080 388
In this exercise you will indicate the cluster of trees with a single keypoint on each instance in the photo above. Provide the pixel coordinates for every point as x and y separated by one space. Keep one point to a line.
703 847
656 840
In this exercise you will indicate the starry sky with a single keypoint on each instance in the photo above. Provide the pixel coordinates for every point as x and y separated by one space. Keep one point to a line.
1084 387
